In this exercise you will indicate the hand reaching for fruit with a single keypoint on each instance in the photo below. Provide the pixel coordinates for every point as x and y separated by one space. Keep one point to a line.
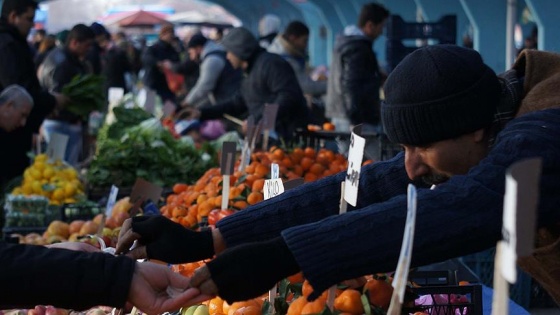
162 239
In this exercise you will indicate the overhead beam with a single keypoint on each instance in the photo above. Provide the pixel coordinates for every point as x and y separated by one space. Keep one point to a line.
433 10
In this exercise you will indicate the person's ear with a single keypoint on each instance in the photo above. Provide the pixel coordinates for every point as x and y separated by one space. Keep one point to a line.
479 135
12 17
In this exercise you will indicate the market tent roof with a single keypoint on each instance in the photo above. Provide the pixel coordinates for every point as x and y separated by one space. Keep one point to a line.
200 18
135 18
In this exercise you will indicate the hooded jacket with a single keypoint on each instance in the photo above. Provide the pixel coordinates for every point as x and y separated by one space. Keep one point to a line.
269 79
297 59
154 78
217 81
17 67
354 80
451 211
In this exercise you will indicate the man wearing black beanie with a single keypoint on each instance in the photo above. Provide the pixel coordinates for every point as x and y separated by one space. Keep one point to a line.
447 109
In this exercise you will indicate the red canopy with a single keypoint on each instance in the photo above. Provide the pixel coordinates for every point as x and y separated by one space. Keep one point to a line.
136 18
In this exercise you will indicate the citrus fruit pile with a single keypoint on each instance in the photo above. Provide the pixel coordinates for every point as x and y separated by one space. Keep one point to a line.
55 180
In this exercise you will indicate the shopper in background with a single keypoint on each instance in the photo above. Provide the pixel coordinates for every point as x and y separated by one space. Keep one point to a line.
269 27
292 46
268 79
154 59
48 44
58 69
447 109
355 77
17 67
15 106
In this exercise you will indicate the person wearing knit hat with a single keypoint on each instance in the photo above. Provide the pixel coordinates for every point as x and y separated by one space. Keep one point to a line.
442 104
269 79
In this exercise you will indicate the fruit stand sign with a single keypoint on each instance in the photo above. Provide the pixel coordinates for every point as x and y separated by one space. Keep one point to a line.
57 146
274 171
269 121
144 190
273 188
114 96
227 160
111 200
403 266
355 157
245 151
168 109
519 225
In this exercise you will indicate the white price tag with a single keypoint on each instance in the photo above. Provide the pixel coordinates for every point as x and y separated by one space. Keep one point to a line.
111 200
401 274
272 188
519 217
274 171
56 149
355 156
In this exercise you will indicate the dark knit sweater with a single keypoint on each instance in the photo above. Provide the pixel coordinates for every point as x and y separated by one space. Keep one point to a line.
459 217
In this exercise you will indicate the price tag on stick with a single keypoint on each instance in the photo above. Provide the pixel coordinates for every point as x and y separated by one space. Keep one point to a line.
108 208
401 274
227 161
355 157
144 190
56 149
245 154
269 121
519 225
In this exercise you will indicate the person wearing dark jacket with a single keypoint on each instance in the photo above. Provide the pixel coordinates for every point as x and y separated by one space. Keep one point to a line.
17 67
355 77
268 79
447 109
76 276
58 69
154 59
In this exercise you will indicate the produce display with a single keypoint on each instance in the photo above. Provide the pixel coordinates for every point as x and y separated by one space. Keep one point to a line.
55 180
190 205
147 151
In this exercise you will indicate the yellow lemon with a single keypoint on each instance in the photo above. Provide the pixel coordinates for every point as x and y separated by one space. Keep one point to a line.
38 165
27 189
48 172
70 189
41 157
71 173
35 173
17 191
58 194
37 187
69 200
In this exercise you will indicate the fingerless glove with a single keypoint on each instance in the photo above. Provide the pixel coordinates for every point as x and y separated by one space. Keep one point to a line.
249 270
168 241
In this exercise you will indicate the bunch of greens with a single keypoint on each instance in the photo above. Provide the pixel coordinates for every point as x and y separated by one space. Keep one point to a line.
124 118
86 93
148 151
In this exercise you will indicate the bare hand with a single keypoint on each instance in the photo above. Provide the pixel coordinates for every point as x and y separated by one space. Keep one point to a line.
202 280
156 289
76 246
126 240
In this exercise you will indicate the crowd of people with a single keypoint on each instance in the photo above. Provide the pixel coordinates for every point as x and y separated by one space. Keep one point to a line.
460 125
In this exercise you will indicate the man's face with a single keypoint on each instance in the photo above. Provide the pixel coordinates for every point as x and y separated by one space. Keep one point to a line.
437 162
23 22
300 43
13 116
235 61
372 30
167 36
195 53
80 48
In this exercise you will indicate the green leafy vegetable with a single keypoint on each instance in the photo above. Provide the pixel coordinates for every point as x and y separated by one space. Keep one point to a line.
87 94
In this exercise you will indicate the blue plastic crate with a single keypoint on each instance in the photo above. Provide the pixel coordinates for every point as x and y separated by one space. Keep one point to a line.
482 264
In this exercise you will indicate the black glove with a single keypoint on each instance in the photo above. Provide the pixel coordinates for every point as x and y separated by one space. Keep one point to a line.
168 241
249 270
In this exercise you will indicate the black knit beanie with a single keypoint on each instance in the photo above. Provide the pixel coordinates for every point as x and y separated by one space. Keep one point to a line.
240 42
437 93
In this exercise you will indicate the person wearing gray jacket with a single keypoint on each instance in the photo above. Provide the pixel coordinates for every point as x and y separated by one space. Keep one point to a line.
292 46
217 81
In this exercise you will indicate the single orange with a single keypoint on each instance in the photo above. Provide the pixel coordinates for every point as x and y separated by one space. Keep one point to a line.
349 301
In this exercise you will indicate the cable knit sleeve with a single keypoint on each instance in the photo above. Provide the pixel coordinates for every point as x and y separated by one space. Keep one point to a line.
459 217
311 202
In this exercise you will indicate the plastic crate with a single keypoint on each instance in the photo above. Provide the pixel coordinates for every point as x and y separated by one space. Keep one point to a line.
71 212
453 300
482 264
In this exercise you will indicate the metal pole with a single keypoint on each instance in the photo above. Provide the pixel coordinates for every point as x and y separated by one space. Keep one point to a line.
510 28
